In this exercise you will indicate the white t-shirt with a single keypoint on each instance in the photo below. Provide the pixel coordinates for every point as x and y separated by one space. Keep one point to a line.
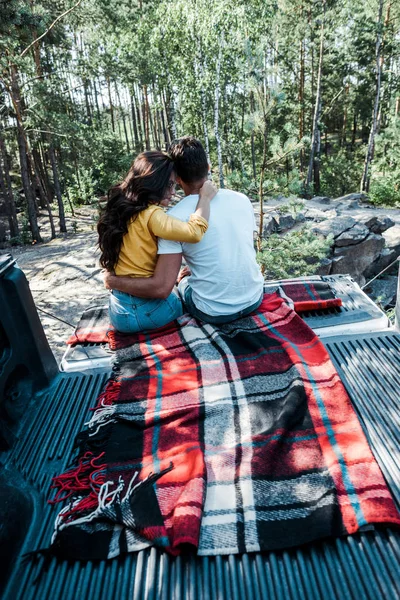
225 275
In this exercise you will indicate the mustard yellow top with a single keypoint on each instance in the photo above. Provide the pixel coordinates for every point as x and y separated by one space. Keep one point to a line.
138 254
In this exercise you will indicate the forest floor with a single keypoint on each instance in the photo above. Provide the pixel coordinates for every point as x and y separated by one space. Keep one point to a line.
64 273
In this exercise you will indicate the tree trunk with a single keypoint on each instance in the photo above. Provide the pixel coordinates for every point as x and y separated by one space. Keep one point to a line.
354 132
344 124
135 128
171 108
260 189
123 118
41 170
96 99
167 138
381 116
87 103
313 165
111 104
301 102
146 117
6 190
23 157
365 179
57 188
203 104
44 200
216 115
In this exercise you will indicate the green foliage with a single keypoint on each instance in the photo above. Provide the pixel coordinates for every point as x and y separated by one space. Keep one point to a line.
82 190
341 173
294 207
295 254
160 59
25 236
385 191
385 182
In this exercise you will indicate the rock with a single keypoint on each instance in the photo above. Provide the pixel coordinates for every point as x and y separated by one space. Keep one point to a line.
384 291
285 222
321 199
334 226
300 217
375 223
356 197
314 214
392 238
324 267
387 256
358 257
269 225
355 235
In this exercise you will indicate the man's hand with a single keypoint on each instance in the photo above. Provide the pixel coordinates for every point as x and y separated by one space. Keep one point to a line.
107 278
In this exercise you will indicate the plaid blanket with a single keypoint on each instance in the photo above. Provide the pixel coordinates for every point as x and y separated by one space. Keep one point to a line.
94 325
228 439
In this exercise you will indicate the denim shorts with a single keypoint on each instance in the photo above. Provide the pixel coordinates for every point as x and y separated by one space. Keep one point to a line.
130 314
186 294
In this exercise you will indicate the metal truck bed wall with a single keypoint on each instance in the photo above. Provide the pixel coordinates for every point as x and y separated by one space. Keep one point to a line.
42 427
365 565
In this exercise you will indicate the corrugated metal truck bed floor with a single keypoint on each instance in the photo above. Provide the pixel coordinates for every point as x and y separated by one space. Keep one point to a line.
365 565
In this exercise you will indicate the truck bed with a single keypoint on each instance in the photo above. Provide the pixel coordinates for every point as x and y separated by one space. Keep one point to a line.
365 565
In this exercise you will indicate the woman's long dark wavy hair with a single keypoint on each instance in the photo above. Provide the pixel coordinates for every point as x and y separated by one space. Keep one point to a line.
146 183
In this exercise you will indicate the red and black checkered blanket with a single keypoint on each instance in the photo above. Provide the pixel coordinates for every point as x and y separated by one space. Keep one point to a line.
94 325
229 439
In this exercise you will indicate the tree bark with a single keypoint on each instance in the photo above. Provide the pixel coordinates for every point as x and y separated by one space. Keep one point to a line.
111 104
96 99
123 118
134 124
216 115
365 179
203 102
344 124
6 189
57 188
301 101
313 165
260 189
146 117
23 156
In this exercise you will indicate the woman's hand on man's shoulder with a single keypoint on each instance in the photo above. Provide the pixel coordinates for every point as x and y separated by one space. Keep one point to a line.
208 190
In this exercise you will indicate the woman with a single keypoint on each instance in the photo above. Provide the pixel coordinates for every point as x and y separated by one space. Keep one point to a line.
128 230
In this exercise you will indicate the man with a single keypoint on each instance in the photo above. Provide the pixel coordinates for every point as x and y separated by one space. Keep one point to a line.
225 281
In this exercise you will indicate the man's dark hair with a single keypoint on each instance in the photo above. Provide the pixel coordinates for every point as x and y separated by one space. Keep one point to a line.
189 158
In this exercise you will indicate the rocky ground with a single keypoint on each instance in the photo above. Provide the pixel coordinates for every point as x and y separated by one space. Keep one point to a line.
65 277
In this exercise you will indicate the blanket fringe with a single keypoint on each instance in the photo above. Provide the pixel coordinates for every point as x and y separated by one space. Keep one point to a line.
110 394
108 502
84 480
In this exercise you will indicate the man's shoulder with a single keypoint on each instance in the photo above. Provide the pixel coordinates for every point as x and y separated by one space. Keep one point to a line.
184 207
233 193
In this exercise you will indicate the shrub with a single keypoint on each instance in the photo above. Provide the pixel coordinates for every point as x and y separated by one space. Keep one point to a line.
385 191
295 254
